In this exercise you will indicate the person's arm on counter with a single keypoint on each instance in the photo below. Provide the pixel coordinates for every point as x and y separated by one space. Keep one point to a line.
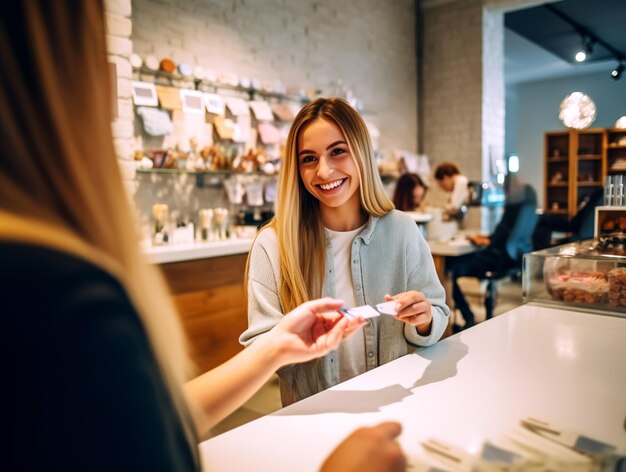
308 332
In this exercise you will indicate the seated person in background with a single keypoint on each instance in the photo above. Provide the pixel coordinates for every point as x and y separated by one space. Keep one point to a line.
409 193
495 255
580 225
452 182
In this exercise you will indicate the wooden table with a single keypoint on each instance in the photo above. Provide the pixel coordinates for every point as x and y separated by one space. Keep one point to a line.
442 250
564 367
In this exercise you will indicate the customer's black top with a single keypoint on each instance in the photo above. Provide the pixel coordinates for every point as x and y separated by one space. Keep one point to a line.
80 386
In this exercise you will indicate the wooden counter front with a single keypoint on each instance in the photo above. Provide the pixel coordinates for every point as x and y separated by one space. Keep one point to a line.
209 294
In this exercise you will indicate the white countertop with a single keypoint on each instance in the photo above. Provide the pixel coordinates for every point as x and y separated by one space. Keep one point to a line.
202 250
568 368
197 250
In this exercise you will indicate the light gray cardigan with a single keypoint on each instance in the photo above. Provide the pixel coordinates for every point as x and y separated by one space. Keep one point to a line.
389 256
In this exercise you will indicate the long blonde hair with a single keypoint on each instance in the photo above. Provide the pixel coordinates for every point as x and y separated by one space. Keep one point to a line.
60 185
298 223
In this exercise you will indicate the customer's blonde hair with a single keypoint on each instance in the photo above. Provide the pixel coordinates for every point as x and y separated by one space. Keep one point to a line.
297 223
60 185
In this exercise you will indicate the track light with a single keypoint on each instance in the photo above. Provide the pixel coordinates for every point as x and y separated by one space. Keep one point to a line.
587 49
589 40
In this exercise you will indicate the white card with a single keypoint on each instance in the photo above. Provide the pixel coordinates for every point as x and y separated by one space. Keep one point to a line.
364 311
387 308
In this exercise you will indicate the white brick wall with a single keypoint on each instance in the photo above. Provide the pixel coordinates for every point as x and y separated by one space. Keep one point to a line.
118 7
464 84
119 29
464 81
493 105
367 44
453 85
118 25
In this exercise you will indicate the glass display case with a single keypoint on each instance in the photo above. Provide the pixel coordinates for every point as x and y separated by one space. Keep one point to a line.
584 276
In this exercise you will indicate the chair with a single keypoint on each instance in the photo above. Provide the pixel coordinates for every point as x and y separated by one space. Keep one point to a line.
581 226
518 243
583 223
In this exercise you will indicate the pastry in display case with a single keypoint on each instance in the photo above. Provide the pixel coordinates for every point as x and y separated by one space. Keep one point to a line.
586 276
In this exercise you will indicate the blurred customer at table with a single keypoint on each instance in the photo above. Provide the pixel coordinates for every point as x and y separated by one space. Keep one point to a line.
455 184
580 226
503 249
93 357
336 233
409 193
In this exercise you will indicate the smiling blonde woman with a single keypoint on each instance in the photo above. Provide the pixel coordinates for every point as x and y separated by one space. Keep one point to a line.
336 233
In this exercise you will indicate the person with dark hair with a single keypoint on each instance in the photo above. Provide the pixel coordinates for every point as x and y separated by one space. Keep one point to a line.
503 249
451 181
409 192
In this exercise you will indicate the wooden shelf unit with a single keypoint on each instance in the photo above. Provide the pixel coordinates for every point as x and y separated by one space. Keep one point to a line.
576 163
615 150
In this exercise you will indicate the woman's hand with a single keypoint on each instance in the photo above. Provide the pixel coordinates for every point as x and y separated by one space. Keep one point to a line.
311 330
373 448
413 308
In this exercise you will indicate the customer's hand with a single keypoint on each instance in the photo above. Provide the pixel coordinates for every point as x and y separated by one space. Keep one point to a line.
311 330
373 448
413 308
479 240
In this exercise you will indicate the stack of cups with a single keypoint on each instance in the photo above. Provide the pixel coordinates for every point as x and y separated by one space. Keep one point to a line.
161 214
220 216
206 221
614 190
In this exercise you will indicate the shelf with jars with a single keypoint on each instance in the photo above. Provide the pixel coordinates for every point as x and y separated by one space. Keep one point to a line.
616 151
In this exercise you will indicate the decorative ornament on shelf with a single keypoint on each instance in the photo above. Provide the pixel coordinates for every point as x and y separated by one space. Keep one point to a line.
621 122
577 111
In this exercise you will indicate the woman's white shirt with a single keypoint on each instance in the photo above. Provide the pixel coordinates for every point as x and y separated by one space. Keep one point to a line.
352 351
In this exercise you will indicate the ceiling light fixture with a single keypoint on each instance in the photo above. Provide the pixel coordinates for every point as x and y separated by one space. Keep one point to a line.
589 40
577 111
587 49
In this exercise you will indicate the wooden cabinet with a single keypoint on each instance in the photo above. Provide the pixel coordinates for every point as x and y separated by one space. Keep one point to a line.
557 172
575 166
616 151
209 295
